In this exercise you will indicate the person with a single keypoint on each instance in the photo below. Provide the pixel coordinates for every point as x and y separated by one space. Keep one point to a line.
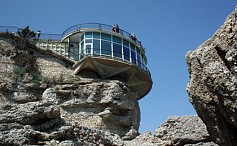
38 34
115 28
26 31
140 44
133 36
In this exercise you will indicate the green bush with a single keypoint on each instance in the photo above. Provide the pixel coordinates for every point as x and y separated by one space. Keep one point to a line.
36 77
20 71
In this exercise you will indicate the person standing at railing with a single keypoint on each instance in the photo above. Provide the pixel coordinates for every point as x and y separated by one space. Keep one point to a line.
115 28
38 34
133 36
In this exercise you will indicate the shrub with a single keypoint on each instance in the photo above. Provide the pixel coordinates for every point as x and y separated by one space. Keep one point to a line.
20 71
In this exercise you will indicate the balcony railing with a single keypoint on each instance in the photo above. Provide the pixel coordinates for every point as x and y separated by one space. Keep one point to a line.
57 37
9 29
53 42
98 26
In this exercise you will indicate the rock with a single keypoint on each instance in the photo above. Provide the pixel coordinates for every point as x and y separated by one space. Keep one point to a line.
183 130
49 95
70 143
176 131
42 102
212 87
147 139
132 133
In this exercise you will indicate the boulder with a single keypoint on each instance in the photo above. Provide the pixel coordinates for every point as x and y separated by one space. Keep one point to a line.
185 130
212 87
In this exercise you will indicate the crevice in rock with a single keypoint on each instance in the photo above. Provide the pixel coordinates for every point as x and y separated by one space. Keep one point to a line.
222 55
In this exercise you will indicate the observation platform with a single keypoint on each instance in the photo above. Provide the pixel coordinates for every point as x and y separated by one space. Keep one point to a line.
110 52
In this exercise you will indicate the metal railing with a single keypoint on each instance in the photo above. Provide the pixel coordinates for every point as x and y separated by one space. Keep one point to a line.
51 37
53 43
9 29
84 26
98 26
43 36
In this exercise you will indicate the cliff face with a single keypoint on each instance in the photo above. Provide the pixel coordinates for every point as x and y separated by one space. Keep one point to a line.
42 102
212 87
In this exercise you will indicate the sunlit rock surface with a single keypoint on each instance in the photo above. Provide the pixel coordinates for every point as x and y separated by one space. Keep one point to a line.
43 102
212 87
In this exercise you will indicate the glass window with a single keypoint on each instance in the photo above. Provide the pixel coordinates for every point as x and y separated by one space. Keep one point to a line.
138 51
138 60
105 36
96 47
88 40
88 49
126 53
96 35
142 60
133 57
117 49
132 46
82 46
125 43
82 37
145 60
117 40
88 34
105 47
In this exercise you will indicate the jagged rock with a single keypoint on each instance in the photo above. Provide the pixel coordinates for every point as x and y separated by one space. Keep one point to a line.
132 133
176 131
183 130
147 139
212 87
43 102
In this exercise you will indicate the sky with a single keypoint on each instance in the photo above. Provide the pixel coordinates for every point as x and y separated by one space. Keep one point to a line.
166 28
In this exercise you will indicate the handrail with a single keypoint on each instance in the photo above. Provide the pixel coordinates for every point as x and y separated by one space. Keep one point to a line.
10 29
51 38
99 26
43 36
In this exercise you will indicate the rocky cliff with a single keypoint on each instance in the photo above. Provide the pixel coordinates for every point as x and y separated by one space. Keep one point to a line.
42 102
212 87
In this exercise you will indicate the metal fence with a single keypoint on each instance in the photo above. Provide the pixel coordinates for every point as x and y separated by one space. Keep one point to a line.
9 29
98 26
50 39
56 37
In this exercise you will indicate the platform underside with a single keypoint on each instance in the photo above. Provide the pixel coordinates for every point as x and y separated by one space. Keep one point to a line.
136 79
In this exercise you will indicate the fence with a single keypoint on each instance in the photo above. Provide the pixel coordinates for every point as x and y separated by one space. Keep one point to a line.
99 26
53 41
10 29
44 36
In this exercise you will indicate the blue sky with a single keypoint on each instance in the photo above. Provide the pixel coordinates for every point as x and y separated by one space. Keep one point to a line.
167 29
